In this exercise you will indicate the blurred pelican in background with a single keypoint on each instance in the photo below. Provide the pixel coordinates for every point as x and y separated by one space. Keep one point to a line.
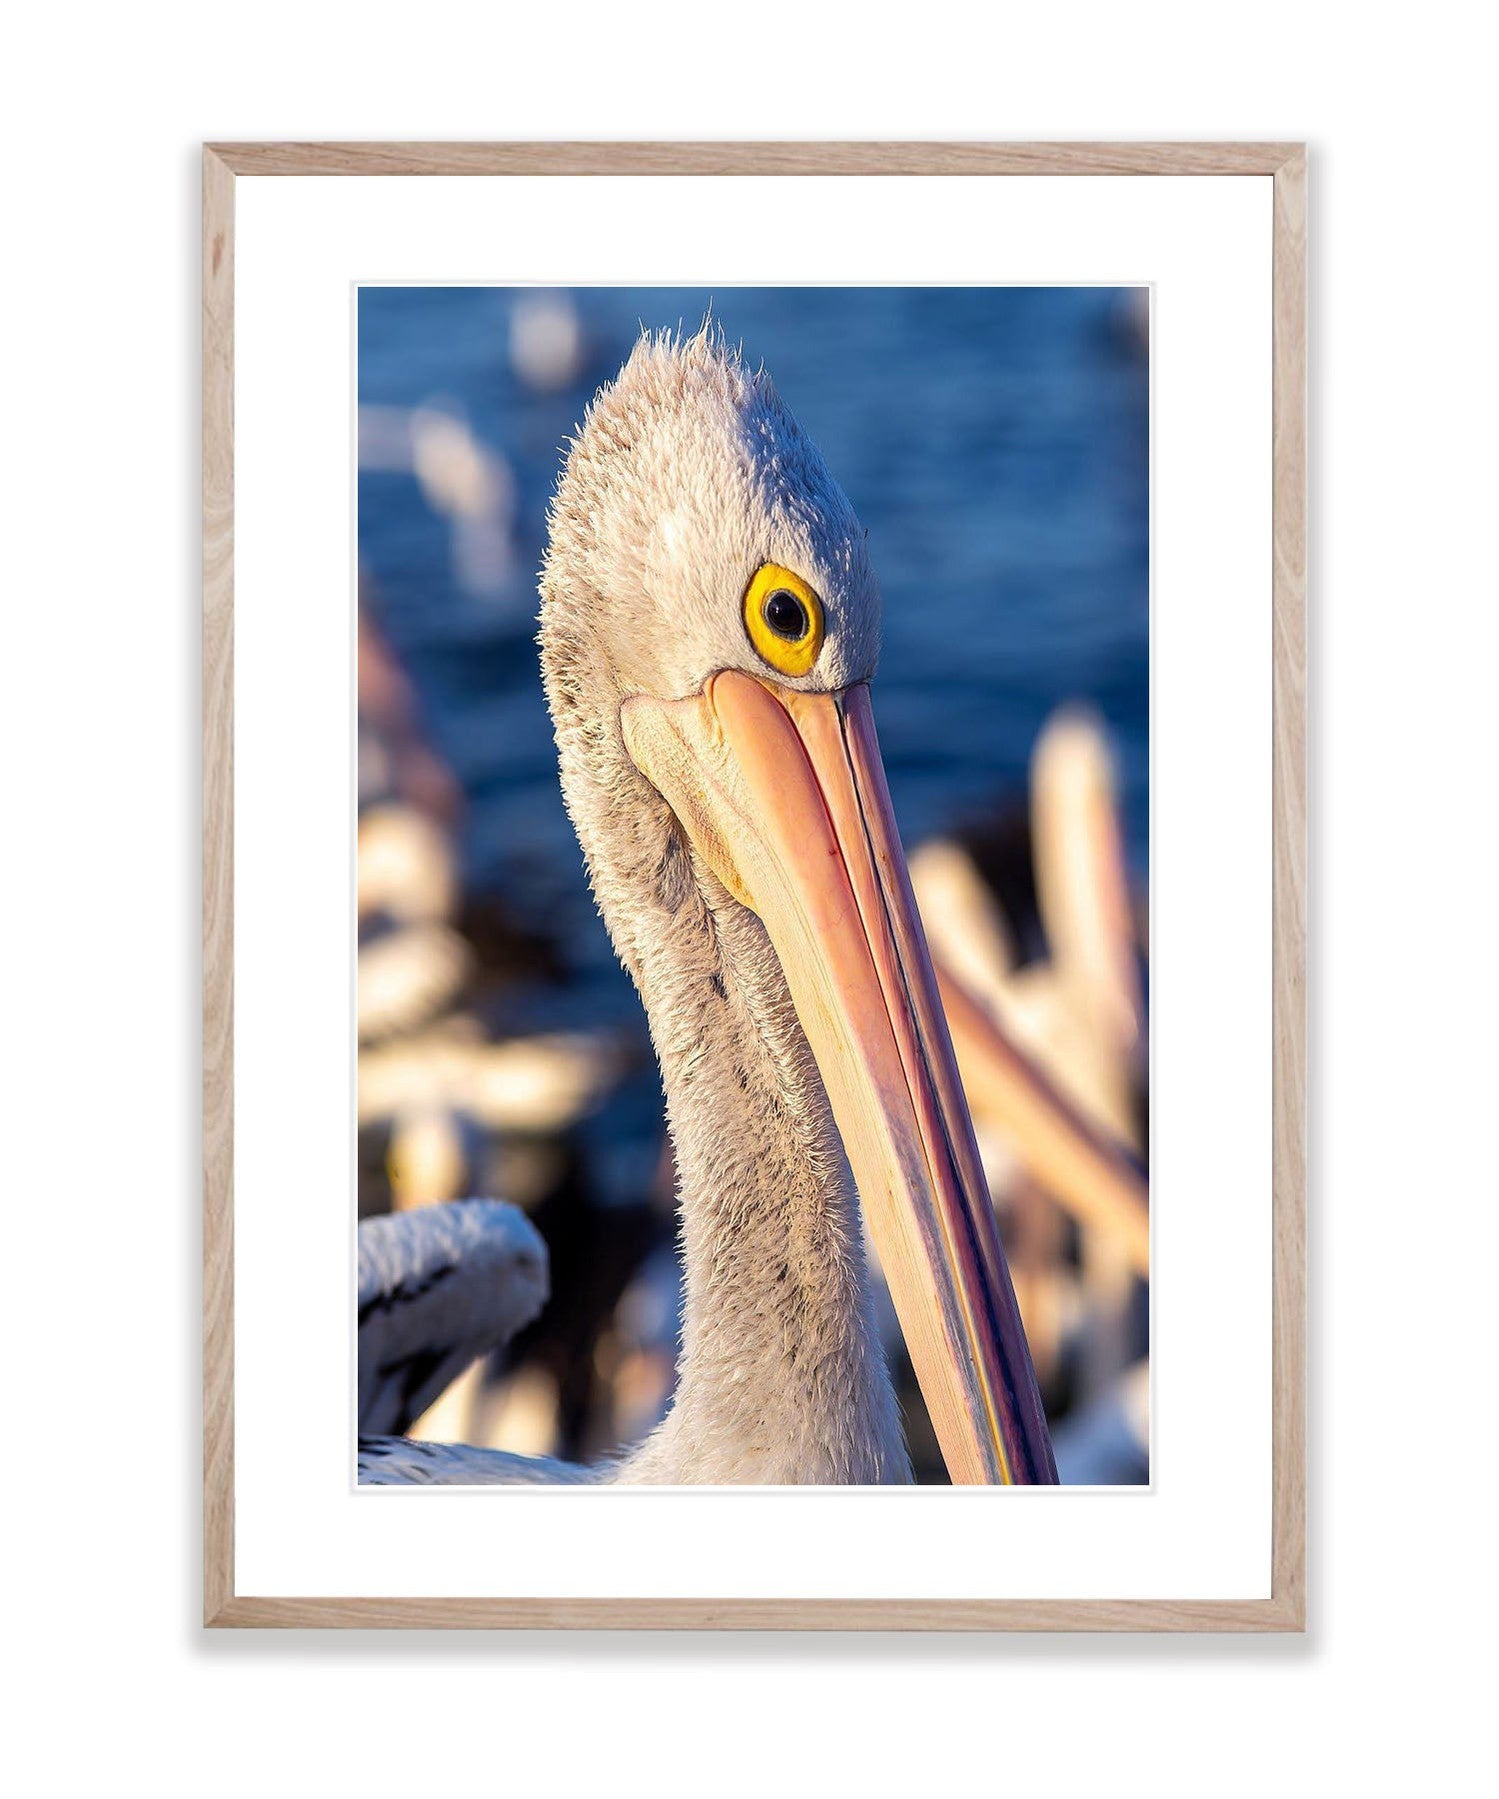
547 345
1080 1015
464 480
437 1289
406 870
445 1106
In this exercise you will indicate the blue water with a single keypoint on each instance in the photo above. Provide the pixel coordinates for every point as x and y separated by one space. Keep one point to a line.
993 441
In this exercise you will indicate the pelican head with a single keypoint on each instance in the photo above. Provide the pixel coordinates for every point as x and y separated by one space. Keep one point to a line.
710 623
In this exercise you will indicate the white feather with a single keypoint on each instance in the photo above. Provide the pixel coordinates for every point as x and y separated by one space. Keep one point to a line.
439 1287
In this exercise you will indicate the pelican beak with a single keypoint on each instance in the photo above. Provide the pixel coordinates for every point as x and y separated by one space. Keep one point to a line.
783 795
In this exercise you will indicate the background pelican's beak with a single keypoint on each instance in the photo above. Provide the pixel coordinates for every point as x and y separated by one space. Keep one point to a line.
783 795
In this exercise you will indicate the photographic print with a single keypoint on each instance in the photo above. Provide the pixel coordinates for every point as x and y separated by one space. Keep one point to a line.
753 885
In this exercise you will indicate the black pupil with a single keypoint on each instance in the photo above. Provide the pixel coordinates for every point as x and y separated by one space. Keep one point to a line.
785 614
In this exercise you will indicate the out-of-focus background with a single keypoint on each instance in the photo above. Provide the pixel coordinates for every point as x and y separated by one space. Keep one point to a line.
995 442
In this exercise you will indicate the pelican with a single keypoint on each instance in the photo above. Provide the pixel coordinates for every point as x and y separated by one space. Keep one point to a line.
406 866
709 627
531 1084
1049 1053
438 1288
408 977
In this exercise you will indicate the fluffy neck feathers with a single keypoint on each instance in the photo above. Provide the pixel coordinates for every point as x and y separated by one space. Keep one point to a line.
782 1378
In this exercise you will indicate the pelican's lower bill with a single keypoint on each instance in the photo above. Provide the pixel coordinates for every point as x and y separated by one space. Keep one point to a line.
783 796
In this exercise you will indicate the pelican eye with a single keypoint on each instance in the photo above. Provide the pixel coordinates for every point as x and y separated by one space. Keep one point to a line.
784 619
786 615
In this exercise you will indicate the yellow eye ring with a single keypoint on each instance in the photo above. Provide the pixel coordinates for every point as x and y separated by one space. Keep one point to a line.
784 619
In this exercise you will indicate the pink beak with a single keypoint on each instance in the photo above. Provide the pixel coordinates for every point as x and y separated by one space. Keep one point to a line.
784 795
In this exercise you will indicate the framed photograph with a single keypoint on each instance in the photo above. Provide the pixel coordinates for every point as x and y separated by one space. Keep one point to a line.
754 885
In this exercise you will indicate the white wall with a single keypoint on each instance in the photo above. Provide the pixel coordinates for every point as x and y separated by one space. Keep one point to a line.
98 709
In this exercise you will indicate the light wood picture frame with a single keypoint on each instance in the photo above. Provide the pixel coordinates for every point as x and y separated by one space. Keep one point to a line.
1285 163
